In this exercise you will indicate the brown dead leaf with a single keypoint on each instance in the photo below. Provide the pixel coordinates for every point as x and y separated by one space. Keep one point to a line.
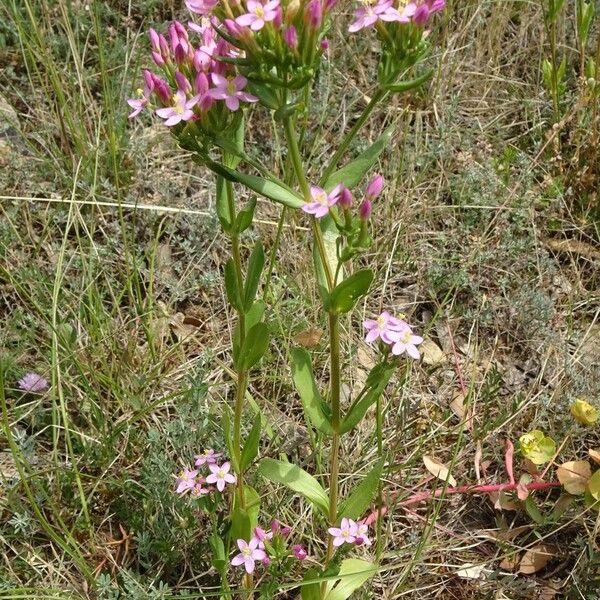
574 475
594 455
309 338
572 246
184 326
460 410
433 355
536 558
547 593
366 357
438 469
508 535
502 501
530 467
510 563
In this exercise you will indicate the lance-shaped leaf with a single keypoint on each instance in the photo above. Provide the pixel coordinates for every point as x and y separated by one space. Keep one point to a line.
223 211
377 380
347 293
240 525
231 285
271 189
254 346
359 500
353 573
411 84
304 380
296 480
226 426
245 216
253 316
250 450
255 267
352 173
330 236
311 586
251 504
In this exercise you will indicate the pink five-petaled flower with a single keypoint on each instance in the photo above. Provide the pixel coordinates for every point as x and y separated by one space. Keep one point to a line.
260 535
144 95
321 201
406 341
208 457
32 382
345 533
362 535
299 551
220 475
230 90
368 15
383 327
258 14
186 480
198 490
201 7
249 553
181 110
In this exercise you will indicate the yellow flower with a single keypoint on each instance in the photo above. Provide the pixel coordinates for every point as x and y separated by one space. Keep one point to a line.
584 412
537 447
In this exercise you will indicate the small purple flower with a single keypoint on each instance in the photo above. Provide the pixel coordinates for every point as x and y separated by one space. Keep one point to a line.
198 490
321 201
383 327
181 110
249 554
208 457
138 104
230 90
345 533
32 382
259 14
220 475
186 481
299 551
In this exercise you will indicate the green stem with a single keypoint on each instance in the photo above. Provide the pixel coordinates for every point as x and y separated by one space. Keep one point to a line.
379 428
379 95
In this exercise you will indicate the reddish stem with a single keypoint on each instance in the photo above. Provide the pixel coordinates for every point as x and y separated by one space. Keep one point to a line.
460 489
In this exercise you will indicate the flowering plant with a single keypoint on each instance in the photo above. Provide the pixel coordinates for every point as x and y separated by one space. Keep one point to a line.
233 55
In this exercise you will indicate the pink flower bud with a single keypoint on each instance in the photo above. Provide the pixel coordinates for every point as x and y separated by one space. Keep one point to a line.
278 18
374 188
164 47
162 90
180 52
314 14
275 526
365 209
359 541
421 15
285 531
324 44
299 552
154 40
149 79
266 561
233 28
329 5
290 37
181 30
345 200
202 84
159 61
182 82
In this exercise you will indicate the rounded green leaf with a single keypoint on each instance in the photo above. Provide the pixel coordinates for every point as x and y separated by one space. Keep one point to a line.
345 295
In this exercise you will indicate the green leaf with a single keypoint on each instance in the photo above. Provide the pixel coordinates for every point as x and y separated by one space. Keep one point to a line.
240 525
231 285
219 560
273 190
250 450
265 94
223 212
295 479
533 511
252 505
360 499
352 173
311 591
253 316
405 86
287 111
304 380
376 381
255 267
245 216
226 426
346 294
254 346
330 237
593 485
353 573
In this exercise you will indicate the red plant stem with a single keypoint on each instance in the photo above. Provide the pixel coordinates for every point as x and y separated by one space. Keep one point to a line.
460 489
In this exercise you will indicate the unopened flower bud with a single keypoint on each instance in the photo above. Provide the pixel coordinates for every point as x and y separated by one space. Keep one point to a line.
374 188
365 209
266 561
163 45
345 200
182 82
324 44
292 10
278 18
299 552
149 79
159 61
154 39
359 541
285 531
314 14
290 37
201 83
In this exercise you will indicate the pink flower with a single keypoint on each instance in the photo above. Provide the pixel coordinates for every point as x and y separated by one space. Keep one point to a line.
32 382
375 187
258 14
138 104
299 551
198 490
405 341
345 533
260 535
220 475
249 554
367 16
383 327
181 110
186 481
321 201
362 535
230 90
425 10
201 7
209 457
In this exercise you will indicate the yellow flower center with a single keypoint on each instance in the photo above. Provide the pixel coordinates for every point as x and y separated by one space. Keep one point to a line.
231 88
321 198
220 474
381 322
246 551
259 12
178 108
406 337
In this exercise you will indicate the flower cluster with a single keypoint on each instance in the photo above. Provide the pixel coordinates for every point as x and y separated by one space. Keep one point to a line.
219 475
350 532
393 332
398 11
266 546
32 382
200 88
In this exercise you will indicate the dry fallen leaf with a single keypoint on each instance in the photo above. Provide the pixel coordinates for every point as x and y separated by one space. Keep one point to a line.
470 571
502 501
536 558
574 476
309 338
432 354
439 470
460 410
510 563
594 455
